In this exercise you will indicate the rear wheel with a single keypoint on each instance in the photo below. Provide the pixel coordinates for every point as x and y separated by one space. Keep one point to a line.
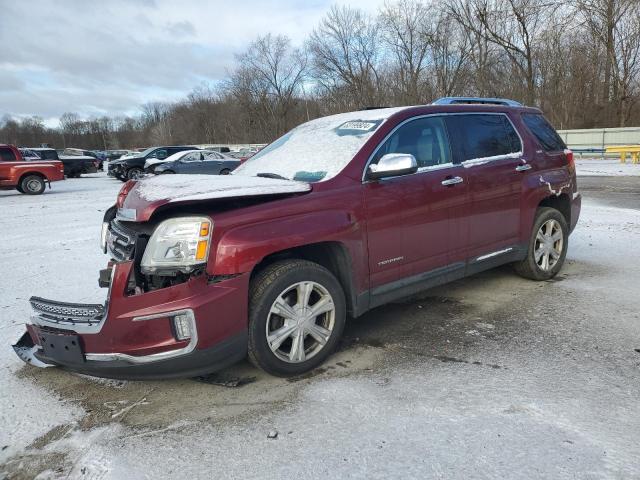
547 246
225 171
296 317
32 185
167 171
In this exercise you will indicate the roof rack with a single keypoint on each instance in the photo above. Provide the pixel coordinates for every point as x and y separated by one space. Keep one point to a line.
477 100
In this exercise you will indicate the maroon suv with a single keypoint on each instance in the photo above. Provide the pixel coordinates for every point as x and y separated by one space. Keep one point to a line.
340 215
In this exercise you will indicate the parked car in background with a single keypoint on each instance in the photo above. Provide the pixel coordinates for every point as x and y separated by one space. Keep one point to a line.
336 217
30 177
74 165
131 167
194 161
29 155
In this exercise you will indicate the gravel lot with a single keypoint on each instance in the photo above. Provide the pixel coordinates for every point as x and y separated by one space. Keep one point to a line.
489 377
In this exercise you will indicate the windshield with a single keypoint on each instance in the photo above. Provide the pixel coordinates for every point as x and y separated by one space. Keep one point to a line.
317 150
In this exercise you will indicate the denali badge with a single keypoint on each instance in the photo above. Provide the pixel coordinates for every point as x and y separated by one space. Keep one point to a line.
390 260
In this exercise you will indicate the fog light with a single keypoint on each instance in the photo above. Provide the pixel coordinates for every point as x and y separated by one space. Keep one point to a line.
182 326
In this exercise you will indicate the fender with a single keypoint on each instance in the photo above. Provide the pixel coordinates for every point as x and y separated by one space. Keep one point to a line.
239 249
537 187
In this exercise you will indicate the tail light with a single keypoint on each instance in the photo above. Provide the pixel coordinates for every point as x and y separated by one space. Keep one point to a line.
569 155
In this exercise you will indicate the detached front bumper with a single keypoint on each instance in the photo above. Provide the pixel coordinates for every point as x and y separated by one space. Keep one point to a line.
180 331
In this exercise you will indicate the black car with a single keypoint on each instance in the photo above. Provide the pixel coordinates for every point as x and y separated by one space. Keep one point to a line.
132 167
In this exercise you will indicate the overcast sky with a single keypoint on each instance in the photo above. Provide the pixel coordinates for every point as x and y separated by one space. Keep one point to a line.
111 56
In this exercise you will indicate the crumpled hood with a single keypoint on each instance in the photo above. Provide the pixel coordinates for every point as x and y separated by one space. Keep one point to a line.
151 192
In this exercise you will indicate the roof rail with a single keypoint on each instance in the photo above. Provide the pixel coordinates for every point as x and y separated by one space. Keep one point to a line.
477 100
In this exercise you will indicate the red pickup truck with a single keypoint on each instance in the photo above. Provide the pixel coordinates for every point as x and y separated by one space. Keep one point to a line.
338 216
30 178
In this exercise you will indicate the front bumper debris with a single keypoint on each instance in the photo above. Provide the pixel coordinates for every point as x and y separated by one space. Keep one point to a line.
136 336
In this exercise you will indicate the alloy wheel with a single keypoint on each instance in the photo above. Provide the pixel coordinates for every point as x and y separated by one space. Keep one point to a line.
301 321
548 245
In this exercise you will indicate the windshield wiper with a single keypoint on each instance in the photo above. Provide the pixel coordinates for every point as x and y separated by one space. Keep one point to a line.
271 175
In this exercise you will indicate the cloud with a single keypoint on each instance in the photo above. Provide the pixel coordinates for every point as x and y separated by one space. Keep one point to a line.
110 57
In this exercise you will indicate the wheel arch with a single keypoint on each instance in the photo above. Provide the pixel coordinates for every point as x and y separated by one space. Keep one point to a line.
561 202
333 255
33 172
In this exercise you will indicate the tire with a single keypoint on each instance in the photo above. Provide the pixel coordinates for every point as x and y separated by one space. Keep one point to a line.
134 173
286 281
166 171
225 171
544 268
19 188
32 185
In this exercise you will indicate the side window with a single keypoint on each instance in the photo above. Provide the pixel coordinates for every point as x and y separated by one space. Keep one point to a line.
7 155
212 156
191 157
547 136
424 138
482 136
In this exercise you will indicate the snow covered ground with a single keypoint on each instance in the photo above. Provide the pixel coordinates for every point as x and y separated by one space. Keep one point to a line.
489 377
607 167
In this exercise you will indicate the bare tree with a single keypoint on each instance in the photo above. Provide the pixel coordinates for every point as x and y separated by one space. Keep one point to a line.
406 26
345 49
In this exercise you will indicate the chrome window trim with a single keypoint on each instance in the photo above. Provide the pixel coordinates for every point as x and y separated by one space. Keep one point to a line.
444 165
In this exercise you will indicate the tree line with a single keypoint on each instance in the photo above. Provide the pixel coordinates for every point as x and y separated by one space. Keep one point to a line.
578 60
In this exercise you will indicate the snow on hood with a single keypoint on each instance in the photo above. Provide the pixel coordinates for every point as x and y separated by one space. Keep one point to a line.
179 188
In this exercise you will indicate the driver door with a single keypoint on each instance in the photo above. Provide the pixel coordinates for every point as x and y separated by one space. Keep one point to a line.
413 220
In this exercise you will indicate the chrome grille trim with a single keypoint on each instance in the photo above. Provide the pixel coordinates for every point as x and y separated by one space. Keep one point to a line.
62 312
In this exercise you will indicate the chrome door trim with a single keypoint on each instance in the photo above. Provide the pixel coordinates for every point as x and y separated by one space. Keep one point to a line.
444 165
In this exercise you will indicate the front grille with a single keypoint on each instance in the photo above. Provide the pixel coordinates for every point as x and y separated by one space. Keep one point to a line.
62 312
121 241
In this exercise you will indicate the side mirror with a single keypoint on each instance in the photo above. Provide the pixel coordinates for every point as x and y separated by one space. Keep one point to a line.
392 165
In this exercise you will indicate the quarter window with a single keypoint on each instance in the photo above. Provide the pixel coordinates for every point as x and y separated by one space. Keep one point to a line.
482 136
424 138
544 132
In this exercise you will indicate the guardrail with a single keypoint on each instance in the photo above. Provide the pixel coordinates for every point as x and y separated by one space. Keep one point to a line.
624 150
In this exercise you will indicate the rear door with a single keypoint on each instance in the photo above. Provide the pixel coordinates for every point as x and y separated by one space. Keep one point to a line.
490 151
211 163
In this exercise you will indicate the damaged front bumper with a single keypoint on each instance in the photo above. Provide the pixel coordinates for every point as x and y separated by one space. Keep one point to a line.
179 331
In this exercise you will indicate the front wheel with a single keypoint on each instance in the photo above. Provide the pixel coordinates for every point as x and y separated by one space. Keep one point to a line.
547 246
134 173
296 317
32 185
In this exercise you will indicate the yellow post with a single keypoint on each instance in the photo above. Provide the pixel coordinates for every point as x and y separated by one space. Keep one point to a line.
623 157
635 157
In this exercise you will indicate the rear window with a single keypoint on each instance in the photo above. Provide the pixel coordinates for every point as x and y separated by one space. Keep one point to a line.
544 132
482 136
7 155
48 154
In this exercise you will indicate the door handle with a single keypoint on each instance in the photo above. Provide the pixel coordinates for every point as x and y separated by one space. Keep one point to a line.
452 181
524 167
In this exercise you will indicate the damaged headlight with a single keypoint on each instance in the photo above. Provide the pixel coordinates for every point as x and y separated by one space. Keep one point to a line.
178 244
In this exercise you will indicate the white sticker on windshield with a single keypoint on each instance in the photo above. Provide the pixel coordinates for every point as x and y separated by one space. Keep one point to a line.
358 125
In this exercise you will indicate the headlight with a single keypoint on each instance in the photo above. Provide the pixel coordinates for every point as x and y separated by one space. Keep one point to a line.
178 244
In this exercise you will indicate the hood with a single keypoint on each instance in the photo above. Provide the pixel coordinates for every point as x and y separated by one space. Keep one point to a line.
151 193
